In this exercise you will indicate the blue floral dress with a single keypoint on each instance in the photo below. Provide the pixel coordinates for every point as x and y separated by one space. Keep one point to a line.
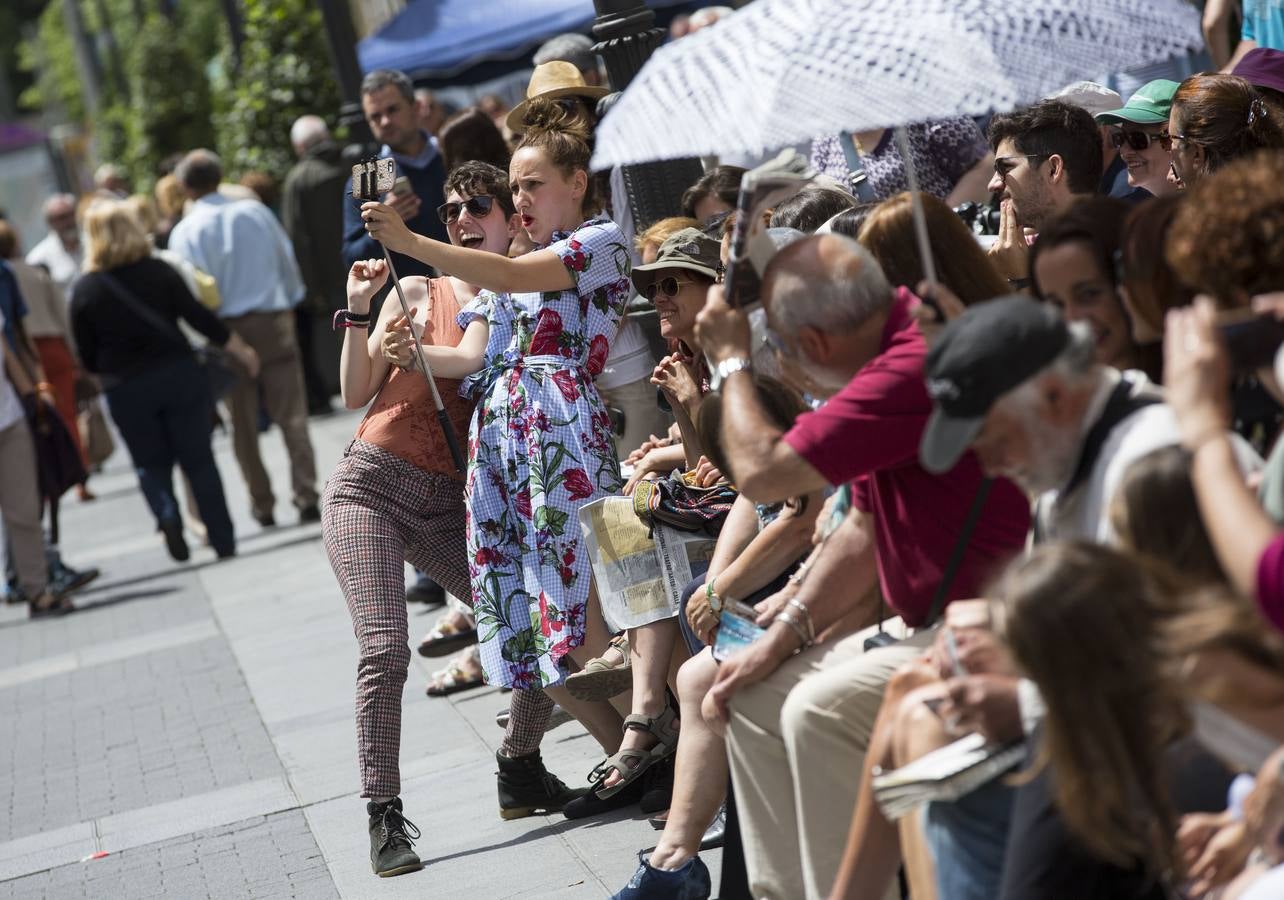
539 449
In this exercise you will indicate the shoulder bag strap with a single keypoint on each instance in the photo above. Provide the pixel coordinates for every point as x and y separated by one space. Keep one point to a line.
960 549
856 169
142 310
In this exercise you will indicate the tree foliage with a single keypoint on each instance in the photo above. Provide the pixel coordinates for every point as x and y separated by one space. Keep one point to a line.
285 72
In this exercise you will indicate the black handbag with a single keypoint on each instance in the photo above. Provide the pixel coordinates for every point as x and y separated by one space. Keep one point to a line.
58 463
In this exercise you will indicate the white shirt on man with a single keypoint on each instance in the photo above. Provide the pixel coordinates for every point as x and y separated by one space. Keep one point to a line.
62 264
243 246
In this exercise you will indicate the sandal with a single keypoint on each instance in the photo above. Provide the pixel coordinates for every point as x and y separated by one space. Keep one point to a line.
454 678
662 728
601 679
446 637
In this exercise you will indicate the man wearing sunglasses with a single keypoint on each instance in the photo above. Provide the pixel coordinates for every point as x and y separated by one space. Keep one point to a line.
1043 157
1135 132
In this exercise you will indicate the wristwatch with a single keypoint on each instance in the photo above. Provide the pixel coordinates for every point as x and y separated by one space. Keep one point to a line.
715 602
727 368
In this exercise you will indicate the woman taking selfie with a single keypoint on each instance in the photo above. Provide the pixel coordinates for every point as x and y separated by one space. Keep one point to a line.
540 444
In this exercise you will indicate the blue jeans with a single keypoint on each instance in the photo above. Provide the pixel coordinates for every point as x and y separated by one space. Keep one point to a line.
164 415
968 838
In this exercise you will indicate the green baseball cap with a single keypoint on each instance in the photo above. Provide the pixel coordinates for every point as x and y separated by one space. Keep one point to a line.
689 248
1149 106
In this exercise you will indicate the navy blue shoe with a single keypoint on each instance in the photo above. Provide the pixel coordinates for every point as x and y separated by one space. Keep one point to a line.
691 882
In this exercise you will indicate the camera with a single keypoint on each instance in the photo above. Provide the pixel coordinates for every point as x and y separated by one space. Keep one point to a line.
981 218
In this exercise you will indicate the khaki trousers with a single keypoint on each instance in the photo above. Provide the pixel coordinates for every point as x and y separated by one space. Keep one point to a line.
20 507
797 743
280 376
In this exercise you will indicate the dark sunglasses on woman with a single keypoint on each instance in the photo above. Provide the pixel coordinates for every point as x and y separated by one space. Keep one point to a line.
1137 140
667 286
478 207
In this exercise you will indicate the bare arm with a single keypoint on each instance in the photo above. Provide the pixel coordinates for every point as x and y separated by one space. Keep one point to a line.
539 271
1237 526
769 554
1240 52
362 367
1216 25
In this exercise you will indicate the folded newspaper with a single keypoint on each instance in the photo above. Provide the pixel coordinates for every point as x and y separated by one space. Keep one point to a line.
949 773
640 572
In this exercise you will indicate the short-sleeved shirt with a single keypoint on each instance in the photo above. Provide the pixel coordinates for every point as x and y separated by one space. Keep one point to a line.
12 306
943 152
869 433
1264 23
1270 582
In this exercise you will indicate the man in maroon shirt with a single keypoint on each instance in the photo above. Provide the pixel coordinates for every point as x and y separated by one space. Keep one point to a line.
799 715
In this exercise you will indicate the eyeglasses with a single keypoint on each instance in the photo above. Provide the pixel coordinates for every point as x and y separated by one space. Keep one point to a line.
1137 140
667 286
1003 165
1166 140
478 207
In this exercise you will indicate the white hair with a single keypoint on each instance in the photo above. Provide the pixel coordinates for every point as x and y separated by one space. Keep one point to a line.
1075 364
834 301
308 131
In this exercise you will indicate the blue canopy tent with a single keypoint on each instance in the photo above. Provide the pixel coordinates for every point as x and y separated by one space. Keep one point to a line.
439 39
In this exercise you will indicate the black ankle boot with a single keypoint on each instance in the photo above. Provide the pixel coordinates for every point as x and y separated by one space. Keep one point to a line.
526 787
391 841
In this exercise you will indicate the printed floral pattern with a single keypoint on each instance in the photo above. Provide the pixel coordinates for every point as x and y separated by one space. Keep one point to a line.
540 448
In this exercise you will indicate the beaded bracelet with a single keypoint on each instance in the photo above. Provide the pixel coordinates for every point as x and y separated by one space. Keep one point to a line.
345 318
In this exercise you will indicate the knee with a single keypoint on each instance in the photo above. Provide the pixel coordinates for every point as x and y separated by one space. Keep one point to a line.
385 653
695 677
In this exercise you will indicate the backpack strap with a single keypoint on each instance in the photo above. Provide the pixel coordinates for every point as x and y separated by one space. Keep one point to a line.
856 169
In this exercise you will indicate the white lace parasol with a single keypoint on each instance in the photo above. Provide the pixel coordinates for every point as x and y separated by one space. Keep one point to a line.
784 71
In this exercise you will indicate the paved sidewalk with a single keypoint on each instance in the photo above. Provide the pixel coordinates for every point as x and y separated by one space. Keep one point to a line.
194 724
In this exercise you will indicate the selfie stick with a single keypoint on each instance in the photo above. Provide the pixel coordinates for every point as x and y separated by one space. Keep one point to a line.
365 186
447 428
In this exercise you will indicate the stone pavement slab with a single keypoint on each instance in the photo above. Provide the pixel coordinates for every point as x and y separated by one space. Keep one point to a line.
195 721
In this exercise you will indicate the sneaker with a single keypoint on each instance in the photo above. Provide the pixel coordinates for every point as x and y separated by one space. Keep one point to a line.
556 718
267 520
526 787
428 593
175 543
392 840
658 780
691 881
63 579
309 514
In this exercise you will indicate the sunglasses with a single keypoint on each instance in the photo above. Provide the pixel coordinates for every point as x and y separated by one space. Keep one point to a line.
478 207
1004 165
1166 140
1137 140
667 286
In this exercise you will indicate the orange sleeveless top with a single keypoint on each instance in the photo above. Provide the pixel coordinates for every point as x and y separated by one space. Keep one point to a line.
402 419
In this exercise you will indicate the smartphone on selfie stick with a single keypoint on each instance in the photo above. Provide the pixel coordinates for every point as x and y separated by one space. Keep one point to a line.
372 179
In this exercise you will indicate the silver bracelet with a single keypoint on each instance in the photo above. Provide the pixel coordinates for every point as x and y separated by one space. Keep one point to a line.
784 616
806 614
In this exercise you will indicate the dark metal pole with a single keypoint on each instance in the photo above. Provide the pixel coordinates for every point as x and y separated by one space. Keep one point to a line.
627 36
341 38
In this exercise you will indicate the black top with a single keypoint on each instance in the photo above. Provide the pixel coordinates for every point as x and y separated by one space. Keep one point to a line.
116 342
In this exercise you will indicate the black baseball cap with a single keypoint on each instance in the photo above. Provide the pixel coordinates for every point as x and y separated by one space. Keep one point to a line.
992 348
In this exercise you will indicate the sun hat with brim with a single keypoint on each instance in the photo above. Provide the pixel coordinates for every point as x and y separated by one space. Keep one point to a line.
690 249
1262 67
1150 105
992 348
550 81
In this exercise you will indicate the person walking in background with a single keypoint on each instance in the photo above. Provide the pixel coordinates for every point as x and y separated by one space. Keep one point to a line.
20 498
59 253
388 102
49 328
247 251
125 312
312 213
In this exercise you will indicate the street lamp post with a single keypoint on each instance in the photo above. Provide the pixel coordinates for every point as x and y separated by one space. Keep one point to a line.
342 41
627 36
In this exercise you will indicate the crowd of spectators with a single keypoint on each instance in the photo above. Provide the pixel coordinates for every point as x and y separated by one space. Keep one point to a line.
1038 500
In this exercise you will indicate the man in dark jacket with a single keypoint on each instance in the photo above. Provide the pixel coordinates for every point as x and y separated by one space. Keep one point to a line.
388 101
312 212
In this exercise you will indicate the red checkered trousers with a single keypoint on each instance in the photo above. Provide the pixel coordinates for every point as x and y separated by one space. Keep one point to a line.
379 512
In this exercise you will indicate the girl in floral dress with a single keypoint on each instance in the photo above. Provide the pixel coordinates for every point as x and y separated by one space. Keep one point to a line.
540 443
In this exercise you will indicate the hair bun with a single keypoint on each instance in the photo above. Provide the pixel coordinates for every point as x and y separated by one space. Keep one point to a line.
545 115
